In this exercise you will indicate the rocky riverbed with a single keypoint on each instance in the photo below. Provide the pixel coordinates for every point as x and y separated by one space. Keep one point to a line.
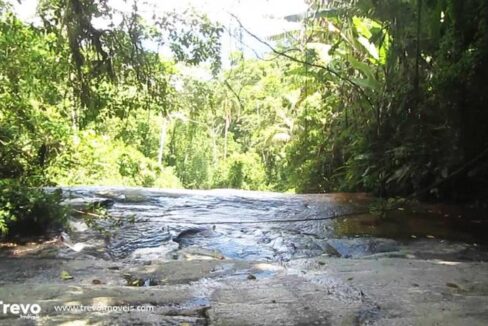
249 258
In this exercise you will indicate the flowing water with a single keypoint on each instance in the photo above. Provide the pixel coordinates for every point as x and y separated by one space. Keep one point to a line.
259 226
227 257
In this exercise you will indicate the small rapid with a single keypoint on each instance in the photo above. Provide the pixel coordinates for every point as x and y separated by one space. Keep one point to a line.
255 226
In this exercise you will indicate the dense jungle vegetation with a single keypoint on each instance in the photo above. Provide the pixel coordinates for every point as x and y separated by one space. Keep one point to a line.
384 96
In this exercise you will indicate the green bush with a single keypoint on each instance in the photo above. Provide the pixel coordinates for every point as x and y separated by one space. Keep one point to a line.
167 178
29 211
242 171
95 159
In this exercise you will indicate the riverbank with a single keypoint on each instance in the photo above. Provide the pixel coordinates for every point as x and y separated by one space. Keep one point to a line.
174 264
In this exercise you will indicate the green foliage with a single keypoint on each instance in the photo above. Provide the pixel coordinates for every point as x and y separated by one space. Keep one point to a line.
94 159
98 219
381 96
32 129
401 87
241 171
76 102
29 211
117 53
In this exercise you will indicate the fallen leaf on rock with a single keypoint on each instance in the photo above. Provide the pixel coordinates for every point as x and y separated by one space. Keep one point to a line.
65 276
453 285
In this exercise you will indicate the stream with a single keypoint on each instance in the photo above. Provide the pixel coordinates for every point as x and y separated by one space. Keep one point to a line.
261 226
229 257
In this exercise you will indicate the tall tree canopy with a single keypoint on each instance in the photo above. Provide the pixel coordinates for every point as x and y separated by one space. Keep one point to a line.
368 95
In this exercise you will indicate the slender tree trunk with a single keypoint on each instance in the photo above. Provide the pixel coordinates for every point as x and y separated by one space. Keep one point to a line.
418 54
74 119
162 139
225 136
214 147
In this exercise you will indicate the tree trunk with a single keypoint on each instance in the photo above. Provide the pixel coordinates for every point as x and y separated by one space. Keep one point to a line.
162 139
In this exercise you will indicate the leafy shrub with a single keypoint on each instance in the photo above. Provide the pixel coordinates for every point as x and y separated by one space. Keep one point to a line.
167 178
242 171
95 159
29 211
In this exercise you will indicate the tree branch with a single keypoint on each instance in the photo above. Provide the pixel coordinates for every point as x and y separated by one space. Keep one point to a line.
291 58
226 82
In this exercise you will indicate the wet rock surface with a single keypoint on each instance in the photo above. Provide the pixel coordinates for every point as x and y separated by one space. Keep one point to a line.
249 258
